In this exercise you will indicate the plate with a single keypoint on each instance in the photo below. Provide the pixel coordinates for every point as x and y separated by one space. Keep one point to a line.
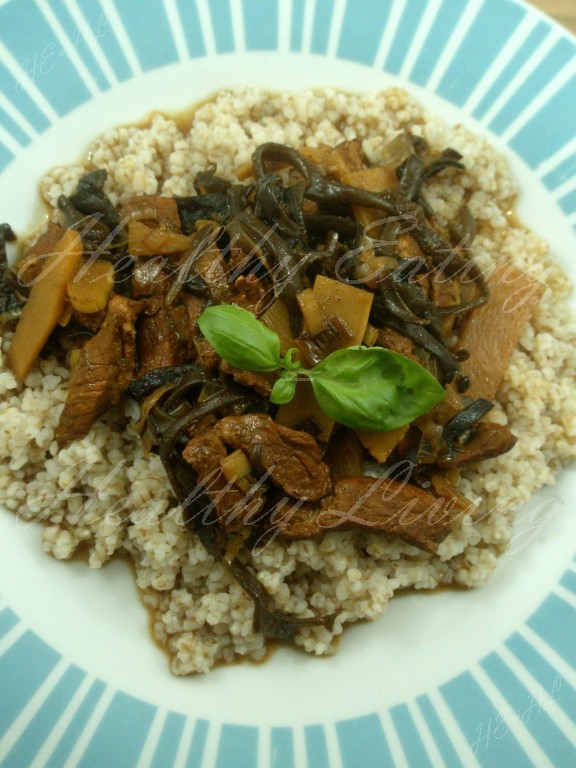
447 679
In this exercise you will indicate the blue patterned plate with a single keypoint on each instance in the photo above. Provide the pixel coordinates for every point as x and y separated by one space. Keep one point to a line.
448 679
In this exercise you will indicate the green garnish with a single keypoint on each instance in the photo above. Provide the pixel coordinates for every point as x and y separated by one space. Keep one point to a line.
367 388
240 339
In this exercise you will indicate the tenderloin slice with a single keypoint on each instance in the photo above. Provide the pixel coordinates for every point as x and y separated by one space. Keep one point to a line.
291 457
162 339
234 509
106 367
376 504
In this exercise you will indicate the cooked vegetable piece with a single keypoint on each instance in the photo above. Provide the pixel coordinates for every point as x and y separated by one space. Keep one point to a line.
147 241
314 319
236 468
155 211
336 161
68 313
491 333
487 441
304 412
45 304
395 152
91 287
147 404
211 268
381 444
350 304
90 199
459 427
347 302
30 264
158 377
370 336
371 270
375 179
74 357
276 318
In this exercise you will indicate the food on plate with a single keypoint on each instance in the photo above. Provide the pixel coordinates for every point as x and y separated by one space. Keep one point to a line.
289 358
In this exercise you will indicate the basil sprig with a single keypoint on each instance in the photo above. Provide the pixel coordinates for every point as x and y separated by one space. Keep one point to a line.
240 339
367 388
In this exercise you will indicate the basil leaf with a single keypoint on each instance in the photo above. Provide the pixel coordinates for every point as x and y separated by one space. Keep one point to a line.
284 388
373 389
240 338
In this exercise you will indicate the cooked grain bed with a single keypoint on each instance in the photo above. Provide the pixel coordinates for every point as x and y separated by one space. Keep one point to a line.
199 614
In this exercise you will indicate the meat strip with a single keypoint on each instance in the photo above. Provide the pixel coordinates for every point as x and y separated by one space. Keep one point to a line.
287 458
106 366
259 382
376 504
162 338
291 457
234 509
